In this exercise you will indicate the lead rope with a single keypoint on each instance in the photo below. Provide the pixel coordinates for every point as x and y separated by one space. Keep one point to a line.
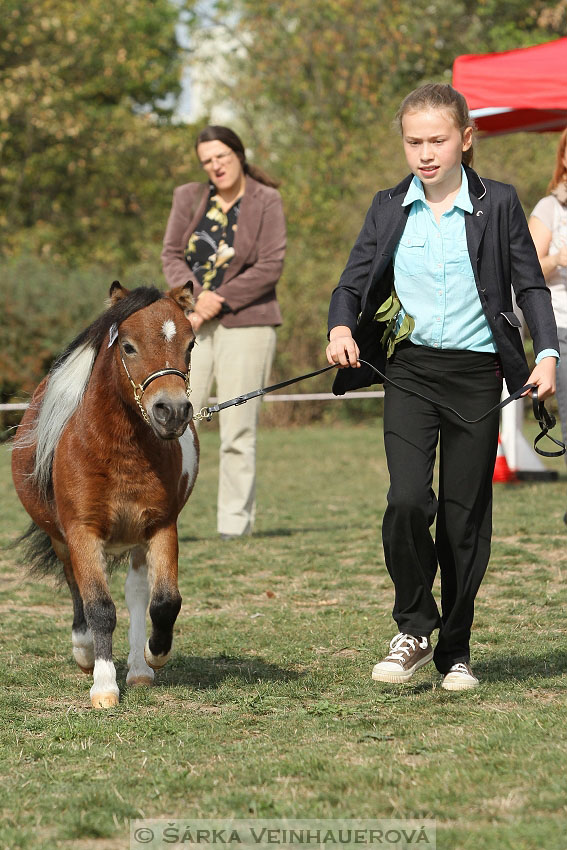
545 419
206 413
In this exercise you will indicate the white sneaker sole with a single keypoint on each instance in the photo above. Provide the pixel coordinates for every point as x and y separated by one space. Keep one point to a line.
403 676
461 685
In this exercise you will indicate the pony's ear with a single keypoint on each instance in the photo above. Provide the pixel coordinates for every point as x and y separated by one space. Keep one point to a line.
116 292
183 295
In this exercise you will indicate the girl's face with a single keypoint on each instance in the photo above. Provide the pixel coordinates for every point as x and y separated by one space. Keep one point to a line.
433 145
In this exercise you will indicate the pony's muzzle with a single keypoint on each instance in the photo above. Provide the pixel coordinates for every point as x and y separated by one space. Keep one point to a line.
171 416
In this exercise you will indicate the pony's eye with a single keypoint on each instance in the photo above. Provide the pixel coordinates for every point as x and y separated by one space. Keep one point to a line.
128 348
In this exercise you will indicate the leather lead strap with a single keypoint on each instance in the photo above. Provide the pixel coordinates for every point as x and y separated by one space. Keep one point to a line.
545 419
207 412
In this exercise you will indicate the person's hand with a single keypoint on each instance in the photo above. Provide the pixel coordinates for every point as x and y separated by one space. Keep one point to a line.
196 321
208 305
561 256
543 376
342 349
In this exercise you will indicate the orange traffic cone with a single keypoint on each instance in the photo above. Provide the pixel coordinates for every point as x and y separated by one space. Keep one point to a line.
502 471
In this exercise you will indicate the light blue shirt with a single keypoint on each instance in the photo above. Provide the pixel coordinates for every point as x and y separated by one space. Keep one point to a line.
434 279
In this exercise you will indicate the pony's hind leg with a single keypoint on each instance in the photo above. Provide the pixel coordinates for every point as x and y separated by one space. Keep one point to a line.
89 566
137 594
81 635
165 600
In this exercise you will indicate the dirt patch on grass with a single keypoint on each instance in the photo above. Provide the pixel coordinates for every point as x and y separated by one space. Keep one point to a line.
43 610
508 806
347 652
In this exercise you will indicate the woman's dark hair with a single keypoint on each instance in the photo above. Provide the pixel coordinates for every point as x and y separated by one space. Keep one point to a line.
216 133
439 96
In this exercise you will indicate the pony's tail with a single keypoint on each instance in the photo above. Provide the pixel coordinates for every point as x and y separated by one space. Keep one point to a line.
38 553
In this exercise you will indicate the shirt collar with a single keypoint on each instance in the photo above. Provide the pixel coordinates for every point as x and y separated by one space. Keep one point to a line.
416 193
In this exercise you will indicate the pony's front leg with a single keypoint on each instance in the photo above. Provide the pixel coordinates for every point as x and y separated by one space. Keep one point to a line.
81 637
137 594
165 599
89 569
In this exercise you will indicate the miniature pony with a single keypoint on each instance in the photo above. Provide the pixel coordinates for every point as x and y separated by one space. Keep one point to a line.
103 461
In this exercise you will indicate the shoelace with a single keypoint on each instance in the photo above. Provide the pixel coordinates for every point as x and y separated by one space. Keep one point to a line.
459 668
403 643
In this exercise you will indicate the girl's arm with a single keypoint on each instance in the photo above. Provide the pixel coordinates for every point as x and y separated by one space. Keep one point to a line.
532 295
347 295
542 240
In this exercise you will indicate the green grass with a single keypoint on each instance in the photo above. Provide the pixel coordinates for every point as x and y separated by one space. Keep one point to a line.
267 708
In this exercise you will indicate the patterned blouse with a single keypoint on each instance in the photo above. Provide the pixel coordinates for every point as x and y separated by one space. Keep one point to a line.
210 247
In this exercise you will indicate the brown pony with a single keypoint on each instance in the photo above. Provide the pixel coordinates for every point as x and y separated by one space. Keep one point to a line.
103 461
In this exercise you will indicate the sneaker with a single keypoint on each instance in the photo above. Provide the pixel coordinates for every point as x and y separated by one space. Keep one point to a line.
407 654
459 678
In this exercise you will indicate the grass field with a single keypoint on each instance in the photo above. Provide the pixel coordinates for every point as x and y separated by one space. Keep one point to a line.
267 708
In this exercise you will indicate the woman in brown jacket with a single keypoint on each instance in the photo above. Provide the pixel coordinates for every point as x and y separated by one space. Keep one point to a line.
228 238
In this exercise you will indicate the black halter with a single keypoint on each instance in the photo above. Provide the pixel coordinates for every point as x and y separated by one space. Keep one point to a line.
139 389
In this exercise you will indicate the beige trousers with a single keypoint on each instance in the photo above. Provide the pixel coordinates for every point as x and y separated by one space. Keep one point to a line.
239 360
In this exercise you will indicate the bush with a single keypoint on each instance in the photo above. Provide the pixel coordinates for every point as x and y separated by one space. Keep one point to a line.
43 308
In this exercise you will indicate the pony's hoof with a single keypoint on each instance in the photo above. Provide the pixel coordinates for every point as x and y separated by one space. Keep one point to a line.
140 682
87 670
104 700
156 662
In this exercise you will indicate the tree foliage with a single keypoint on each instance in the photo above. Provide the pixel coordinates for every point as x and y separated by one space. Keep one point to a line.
89 150
314 85
86 91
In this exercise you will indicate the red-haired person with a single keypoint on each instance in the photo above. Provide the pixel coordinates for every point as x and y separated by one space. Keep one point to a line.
548 226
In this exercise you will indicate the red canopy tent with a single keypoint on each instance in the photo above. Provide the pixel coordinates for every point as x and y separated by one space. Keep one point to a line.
524 89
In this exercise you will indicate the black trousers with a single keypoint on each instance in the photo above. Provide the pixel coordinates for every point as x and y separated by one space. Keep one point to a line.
471 383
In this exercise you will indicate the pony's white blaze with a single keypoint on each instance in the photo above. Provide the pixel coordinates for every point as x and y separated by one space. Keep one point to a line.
104 679
137 595
64 392
168 329
189 455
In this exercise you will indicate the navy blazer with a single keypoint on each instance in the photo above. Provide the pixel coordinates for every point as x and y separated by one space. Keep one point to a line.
503 258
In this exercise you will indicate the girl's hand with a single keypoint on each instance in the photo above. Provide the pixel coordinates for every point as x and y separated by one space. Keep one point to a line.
543 376
342 348
208 305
